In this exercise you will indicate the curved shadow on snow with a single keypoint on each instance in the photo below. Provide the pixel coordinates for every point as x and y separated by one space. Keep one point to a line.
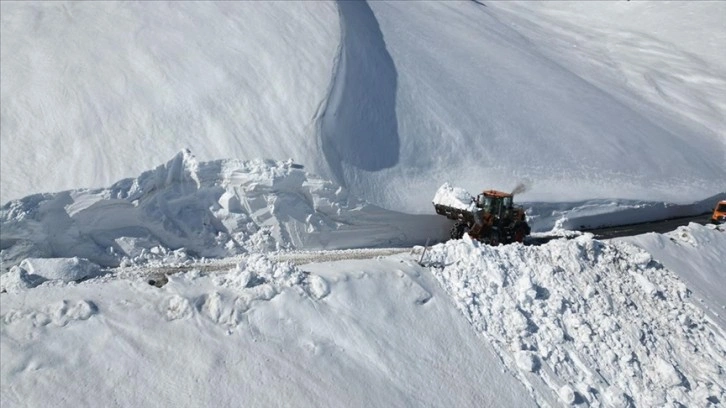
358 126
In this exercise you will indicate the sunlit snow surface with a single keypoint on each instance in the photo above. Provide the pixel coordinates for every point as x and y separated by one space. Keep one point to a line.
389 99
110 295
605 321
573 321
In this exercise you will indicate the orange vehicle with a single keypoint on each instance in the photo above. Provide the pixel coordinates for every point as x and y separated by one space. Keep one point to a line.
493 219
719 213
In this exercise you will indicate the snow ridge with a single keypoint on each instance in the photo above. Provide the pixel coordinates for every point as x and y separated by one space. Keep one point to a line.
587 321
189 209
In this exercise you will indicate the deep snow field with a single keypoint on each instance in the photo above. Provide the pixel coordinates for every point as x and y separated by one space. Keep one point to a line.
274 255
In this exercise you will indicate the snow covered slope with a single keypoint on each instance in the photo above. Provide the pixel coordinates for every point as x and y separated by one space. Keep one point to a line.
693 250
373 333
598 107
99 91
389 99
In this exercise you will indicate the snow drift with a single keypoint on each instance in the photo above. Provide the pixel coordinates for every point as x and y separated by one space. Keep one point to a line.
190 209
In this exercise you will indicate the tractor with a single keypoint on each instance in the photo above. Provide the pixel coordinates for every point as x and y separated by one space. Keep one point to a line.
491 218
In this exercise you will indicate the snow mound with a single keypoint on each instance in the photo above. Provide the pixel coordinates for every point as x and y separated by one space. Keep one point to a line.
62 269
15 280
692 250
33 271
589 321
188 209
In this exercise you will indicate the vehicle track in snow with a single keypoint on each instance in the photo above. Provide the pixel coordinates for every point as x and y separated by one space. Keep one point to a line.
157 275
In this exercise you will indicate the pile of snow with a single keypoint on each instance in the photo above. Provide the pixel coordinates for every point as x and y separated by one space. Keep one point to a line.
33 271
693 250
585 321
186 209
581 322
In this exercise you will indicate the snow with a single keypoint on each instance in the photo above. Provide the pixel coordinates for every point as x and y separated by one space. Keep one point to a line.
381 98
455 197
591 321
273 255
63 269
694 249
377 338
189 209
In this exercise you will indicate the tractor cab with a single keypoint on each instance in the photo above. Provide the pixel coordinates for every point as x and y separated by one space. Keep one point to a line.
491 217
495 202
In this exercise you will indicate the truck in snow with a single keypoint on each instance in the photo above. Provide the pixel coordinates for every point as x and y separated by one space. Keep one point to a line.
719 213
490 217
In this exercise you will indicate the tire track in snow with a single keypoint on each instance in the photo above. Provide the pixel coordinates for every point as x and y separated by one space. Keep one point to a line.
159 274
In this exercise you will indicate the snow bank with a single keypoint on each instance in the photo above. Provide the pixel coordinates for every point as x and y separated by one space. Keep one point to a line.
591 321
587 102
601 213
186 209
692 251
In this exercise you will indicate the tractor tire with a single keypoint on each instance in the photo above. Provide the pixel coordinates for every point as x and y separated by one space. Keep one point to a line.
521 230
495 239
458 230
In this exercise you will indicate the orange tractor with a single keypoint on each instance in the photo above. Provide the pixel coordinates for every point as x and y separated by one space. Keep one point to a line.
491 218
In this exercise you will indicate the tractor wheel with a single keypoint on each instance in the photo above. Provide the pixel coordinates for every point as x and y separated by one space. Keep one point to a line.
493 238
458 230
520 231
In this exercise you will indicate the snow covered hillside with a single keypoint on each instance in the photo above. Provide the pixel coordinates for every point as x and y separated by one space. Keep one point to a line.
283 263
389 99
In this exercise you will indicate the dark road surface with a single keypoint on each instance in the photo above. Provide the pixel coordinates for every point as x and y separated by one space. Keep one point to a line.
660 227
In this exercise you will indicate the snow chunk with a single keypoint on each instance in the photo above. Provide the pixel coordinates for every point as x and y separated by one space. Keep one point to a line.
567 394
667 373
527 361
614 397
15 281
318 287
454 197
63 269
177 307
